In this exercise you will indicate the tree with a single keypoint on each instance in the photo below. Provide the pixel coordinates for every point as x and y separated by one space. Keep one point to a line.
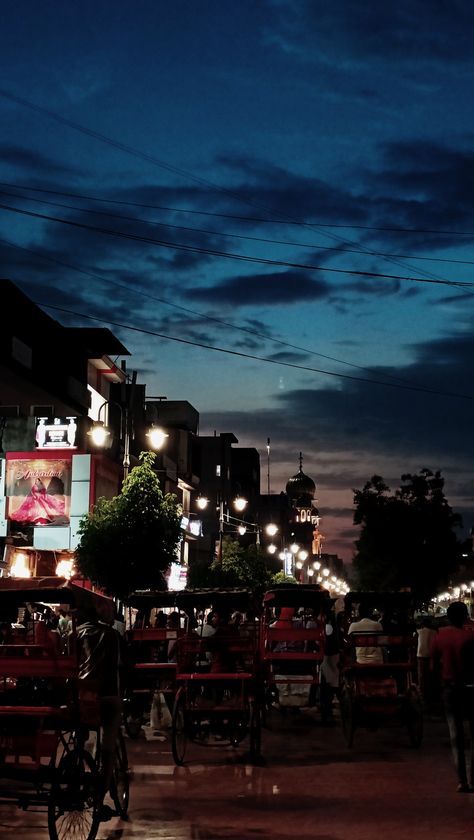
282 577
128 542
247 567
407 539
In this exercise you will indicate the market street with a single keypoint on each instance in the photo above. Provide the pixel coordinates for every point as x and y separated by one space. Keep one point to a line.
311 787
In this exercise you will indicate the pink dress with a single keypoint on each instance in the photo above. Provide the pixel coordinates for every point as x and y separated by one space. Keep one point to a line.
39 508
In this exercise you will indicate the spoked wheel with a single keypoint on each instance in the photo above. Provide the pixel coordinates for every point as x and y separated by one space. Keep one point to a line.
178 729
120 784
414 716
347 705
255 730
73 807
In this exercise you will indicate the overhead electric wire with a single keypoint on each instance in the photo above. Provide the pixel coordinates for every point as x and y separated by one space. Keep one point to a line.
227 234
187 310
231 216
229 255
142 330
176 170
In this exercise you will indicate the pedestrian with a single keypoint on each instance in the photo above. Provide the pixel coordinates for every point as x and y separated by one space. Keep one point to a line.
453 650
425 635
366 624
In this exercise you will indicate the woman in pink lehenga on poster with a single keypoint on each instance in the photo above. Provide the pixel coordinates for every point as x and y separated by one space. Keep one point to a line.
39 507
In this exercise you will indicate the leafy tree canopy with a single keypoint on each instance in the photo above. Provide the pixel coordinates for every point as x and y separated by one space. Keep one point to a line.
128 542
247 567
407 539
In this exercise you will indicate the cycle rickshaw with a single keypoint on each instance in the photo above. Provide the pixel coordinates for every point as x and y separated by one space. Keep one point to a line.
148 667
217 699
292 642
47 713
378 668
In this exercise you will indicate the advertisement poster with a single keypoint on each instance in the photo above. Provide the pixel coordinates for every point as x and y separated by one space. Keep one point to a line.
39 490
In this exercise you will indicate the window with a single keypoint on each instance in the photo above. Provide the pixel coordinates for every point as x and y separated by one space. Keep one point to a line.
218 470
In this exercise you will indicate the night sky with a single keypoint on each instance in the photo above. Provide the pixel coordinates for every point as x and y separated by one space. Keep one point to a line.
288 181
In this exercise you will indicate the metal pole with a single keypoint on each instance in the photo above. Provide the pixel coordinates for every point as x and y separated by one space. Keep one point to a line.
268 466
221 531
126 445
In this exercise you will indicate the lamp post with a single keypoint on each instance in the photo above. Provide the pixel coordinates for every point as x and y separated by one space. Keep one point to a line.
99 433
242 526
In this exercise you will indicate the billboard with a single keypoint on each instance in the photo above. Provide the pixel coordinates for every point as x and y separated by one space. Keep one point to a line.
39 490
56 432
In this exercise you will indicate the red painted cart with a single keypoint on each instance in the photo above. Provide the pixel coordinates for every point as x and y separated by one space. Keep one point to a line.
46 713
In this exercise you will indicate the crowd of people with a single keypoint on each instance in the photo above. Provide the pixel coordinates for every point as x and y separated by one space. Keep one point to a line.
444 655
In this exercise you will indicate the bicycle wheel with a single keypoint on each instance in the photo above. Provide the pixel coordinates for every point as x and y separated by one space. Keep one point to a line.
178 729
73 808
120 783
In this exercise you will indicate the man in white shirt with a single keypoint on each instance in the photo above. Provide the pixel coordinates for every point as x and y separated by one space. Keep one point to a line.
366 624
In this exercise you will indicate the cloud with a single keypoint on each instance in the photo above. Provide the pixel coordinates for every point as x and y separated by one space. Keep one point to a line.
32 161
347 31
266 289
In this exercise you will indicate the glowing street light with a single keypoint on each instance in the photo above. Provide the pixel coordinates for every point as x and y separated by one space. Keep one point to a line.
271 529
240 504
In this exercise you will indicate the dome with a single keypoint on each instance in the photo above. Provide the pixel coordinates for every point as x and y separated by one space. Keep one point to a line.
300 484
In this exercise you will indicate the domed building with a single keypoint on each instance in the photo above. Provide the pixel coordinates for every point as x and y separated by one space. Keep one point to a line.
301 492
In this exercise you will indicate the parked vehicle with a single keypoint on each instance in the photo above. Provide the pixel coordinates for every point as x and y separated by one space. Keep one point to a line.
47 713
378 667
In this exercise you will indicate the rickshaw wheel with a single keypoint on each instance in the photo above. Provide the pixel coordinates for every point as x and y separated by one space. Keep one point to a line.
73 808
347 705
178 729
120 784
255 729
414 713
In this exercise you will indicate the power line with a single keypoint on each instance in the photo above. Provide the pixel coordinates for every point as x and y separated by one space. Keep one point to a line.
176 170
227 234
189 311
229 255
142 330
235 217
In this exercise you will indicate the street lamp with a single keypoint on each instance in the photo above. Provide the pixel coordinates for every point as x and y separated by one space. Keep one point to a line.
202 502
239 503
99 433
271 529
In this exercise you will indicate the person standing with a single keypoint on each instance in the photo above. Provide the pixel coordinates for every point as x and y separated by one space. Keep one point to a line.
425 637
453 650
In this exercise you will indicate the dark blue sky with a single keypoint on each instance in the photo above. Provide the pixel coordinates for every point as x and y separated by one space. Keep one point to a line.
220 167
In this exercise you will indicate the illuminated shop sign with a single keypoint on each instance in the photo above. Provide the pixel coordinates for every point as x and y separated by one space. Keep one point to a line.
191 526
56 432
39 490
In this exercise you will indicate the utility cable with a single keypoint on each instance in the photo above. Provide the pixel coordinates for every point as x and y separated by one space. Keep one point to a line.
176 170
195 313
229 255
240 354
226 234
234 217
